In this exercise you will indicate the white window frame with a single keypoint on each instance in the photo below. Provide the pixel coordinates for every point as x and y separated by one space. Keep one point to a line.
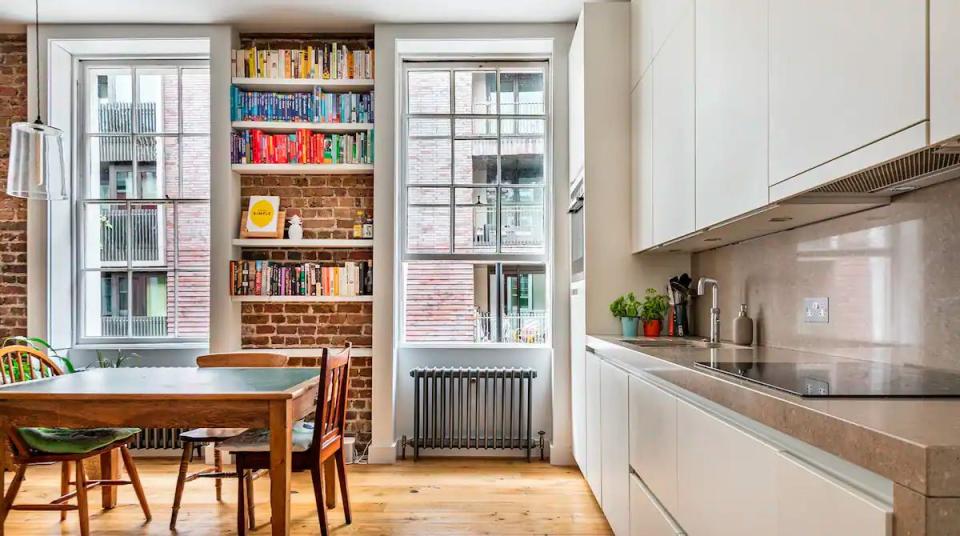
499 259
81 199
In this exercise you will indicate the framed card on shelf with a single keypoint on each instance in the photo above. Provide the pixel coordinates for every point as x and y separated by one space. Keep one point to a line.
263 218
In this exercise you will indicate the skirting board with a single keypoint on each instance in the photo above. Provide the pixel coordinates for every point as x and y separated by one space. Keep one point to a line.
383 454
561 455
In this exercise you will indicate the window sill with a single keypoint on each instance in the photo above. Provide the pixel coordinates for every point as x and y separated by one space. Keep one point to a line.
190 345
474 346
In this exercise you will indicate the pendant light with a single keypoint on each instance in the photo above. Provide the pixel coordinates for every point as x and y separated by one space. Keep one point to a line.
36 151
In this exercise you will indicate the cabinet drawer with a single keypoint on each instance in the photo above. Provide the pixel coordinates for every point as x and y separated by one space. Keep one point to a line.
647 515
653 439
810 501
614 458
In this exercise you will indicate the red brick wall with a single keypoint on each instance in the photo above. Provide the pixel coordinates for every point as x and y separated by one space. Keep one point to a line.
13 211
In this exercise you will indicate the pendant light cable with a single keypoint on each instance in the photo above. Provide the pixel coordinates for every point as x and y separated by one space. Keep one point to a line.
36 35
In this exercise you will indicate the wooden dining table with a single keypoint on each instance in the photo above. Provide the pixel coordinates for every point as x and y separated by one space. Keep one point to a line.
173 398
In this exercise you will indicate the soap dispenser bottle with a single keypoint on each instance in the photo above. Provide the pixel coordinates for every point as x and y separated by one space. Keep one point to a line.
743 328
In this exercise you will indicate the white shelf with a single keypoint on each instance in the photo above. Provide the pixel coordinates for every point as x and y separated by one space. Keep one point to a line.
296 169
301 299
302 84
303 243
293 126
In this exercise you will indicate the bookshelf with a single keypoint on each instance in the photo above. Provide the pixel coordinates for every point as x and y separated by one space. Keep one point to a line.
322 243
300 299
304 84
293 126
299 169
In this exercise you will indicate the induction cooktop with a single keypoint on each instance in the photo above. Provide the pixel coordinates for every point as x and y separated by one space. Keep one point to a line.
845 379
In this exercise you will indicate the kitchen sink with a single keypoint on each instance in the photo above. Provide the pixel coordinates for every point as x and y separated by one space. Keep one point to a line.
661 343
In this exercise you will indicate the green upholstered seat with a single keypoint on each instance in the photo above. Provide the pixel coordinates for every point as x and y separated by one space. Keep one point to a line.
258 439
73 441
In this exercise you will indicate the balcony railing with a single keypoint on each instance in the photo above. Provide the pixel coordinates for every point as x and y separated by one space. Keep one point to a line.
528 327
143 326
144 236
522 229
115 118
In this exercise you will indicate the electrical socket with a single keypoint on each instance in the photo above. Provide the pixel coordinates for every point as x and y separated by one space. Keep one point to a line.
816 310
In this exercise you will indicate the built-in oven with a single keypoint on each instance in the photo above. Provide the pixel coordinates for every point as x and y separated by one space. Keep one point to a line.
577 246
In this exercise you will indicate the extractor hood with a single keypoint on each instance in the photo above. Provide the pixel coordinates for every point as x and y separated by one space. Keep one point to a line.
865 189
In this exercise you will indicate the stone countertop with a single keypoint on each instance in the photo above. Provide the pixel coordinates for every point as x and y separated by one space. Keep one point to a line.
912 441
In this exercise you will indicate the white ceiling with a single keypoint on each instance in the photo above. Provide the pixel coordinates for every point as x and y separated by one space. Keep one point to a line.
289 15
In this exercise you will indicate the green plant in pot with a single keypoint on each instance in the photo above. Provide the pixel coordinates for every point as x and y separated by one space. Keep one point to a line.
627 309
652 310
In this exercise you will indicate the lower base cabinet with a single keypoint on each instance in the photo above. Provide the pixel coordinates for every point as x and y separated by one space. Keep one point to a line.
615 449
594 415
647 515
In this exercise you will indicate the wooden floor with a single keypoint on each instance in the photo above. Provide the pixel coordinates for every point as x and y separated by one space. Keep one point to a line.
452 496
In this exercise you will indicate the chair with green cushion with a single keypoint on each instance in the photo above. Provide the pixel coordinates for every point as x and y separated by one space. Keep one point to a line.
32 446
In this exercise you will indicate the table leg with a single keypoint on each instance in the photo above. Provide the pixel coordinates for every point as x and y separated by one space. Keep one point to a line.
109 470
330 481
281 446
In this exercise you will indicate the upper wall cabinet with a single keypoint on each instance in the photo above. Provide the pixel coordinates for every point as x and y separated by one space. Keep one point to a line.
641 162
652 22
944 70
674 157
731 108
842 76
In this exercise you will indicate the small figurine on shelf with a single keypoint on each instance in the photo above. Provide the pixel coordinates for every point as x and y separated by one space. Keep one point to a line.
295 231
367 226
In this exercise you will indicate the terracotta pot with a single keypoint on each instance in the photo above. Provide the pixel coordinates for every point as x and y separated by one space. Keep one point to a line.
651 328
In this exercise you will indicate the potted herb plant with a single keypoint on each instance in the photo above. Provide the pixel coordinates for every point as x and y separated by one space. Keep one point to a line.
627 309
652 310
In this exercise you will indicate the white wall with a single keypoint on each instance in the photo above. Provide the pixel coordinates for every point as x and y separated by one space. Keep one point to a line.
392 385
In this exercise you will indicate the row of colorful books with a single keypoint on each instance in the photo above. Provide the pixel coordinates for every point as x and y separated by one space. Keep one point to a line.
255 146
327 61
268 278
318 106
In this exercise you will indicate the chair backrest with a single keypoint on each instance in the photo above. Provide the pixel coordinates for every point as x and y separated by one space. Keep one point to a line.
242 359
332 403
22 363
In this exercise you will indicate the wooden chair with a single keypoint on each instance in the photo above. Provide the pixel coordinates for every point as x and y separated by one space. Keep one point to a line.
50 445
197 438
311 448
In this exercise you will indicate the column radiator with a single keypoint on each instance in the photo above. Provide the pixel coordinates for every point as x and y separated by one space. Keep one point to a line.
472 408
158 439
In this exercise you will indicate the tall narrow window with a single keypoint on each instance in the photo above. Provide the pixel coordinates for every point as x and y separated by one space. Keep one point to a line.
142 201
475 185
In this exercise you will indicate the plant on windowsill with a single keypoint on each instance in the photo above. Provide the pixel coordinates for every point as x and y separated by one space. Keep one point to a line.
627 309
123 359
652 310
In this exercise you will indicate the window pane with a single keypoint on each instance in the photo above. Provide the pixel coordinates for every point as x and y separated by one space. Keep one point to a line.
105 304
522 223
193 235
429 151
521 92
193 304
195 161
109 100
428 92
475 128
524 309
150 293
109 168
105 236
522 151
476 92
196 100
475 161
476 220
158 109
448 301
428 220
158 167
151 230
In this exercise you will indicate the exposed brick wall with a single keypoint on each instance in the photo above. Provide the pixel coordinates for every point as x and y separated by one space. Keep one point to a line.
13 211
328 204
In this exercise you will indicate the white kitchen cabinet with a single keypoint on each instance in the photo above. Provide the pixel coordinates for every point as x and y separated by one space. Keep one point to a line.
647 515
653 440
576 104
727 478
674 155
578 332
615 451
641 164
594 438
651 23
944 70
731 109
843 75
809 501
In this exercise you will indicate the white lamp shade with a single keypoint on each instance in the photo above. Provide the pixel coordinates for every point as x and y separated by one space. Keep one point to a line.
36 162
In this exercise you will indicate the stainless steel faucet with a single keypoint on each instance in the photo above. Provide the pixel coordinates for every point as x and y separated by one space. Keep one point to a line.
714 307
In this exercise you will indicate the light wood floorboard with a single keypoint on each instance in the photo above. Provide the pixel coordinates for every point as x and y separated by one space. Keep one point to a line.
448 496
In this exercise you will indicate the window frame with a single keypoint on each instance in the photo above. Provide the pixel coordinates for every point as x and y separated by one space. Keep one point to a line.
542 259
82 198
